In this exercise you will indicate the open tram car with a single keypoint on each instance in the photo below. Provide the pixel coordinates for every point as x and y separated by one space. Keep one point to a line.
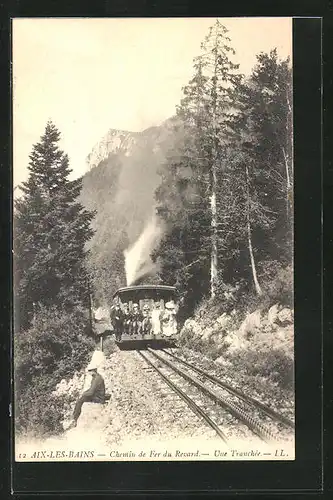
152 296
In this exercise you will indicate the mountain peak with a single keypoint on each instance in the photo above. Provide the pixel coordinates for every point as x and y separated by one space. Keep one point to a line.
114 141
123 142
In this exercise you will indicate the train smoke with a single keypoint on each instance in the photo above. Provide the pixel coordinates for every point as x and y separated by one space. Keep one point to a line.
138 262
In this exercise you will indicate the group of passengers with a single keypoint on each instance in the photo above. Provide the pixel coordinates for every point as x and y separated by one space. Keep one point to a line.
150 321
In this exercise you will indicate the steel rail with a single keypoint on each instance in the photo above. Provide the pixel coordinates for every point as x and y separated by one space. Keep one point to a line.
248 399
194 407
255 426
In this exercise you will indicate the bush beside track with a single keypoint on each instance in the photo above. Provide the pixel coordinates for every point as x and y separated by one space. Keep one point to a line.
57 346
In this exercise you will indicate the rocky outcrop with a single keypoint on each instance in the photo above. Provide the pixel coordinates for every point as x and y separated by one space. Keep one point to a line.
285 316
223 321
250 323
260 331
273 314
278 315
115 141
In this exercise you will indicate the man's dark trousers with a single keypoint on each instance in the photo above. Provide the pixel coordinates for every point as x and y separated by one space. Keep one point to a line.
78 406
118 331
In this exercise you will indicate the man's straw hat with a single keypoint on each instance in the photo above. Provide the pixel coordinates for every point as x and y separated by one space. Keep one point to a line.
92 366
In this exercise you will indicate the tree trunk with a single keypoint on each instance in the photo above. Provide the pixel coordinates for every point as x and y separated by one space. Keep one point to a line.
289 194
90 309
288 156
249 237
213 262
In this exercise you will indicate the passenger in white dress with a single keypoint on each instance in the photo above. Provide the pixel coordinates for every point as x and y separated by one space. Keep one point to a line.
155 319
168 319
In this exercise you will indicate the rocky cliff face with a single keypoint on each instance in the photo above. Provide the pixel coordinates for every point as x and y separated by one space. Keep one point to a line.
115 141
125 143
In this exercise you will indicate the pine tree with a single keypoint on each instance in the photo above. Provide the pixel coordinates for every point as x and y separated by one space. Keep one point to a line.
223 81
256 169
51 229
267 134
193 175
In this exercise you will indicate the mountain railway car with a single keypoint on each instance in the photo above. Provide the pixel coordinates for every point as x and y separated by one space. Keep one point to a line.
147 316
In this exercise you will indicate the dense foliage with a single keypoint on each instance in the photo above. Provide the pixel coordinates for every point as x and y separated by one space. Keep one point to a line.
53 348
227 196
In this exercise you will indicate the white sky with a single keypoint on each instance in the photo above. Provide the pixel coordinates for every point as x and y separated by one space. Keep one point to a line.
90 75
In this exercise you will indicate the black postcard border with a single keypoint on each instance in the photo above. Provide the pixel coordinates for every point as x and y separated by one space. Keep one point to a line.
305 474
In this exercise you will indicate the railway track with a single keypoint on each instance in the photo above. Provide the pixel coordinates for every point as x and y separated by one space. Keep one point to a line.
188 400
236 392
205 396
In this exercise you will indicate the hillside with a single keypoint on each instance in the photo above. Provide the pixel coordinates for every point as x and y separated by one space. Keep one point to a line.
120 185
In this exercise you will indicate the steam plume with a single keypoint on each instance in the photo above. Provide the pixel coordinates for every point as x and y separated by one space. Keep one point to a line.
138 262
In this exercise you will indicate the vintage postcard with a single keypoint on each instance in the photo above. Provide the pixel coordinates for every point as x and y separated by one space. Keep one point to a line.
153 236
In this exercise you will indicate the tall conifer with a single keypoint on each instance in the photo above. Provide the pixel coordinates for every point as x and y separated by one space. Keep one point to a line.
50 231
208 105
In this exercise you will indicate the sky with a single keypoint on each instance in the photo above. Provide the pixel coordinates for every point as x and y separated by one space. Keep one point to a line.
90 75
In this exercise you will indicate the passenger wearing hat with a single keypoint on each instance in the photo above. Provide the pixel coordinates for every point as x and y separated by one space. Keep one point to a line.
117 320
95 393
126 318
136 319
145 327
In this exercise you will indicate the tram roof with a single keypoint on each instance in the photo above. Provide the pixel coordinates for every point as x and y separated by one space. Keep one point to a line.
159 289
